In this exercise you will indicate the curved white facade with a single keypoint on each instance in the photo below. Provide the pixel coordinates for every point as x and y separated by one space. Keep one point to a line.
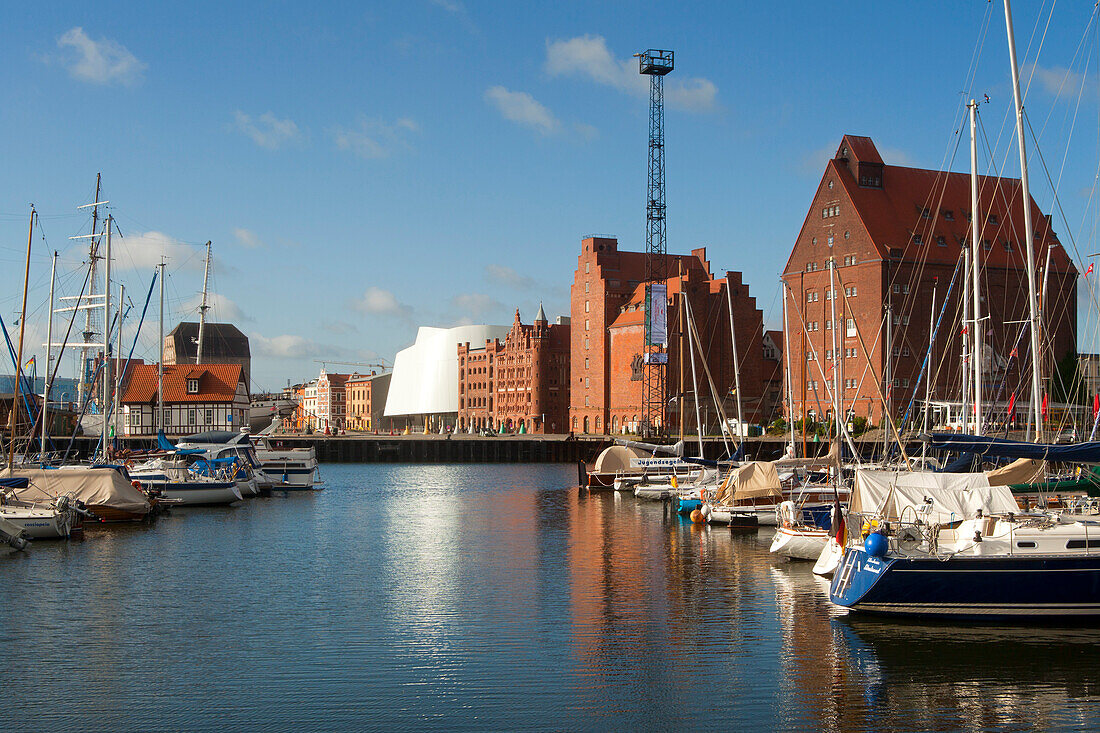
425 375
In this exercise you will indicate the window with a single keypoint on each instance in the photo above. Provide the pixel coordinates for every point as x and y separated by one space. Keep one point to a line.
209 417
586 306
828 294
850 292
586 266
586 362
1007 245
897 288
586 382
190 417
813 241
830 185
949 215
828 325
926 213
918 239
941 242
192 386
586 343
167 417
901 382
585 324
987 245
828 354
586 285
850 353
135 418
850 330
993 219
830 240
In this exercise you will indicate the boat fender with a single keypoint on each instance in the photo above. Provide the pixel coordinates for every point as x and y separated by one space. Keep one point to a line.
696 516
978 536
786 514
705 510
875 544
136 484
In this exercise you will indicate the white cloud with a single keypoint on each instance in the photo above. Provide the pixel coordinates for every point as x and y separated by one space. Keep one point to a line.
476 304
1060 81
373 138
144 250
505 275
588 56
522 108
451 6
99 62
377 301
222 309
247 238
267 131
286 346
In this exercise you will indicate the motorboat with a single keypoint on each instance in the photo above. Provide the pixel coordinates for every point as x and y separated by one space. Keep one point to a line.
53 519
941 544
289 469
177 479
222 447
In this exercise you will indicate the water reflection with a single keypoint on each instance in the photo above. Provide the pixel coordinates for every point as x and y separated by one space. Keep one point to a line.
488 597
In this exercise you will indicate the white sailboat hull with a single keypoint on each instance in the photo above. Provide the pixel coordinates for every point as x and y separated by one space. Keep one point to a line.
37 522
799 543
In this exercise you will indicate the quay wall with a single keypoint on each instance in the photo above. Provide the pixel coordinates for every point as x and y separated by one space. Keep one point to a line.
475 449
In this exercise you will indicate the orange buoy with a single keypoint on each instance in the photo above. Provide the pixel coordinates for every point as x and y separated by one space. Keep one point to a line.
697 516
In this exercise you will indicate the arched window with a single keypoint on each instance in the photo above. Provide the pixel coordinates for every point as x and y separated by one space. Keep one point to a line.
586 424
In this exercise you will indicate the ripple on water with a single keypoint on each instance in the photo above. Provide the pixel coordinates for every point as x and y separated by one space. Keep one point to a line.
487 597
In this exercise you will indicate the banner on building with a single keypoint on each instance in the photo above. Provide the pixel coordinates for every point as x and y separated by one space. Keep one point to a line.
658 314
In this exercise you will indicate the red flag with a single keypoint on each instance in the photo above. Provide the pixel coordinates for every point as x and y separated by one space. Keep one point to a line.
1014 353
840 531
1088 271
1012 407
1044 409
1095 405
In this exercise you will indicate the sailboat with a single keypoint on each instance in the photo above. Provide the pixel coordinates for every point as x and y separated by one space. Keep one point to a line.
942 544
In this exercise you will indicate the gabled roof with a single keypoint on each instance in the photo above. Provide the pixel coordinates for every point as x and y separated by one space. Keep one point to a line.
217 383
932 207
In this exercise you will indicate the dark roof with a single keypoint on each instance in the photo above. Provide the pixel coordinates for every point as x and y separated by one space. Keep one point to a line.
219 340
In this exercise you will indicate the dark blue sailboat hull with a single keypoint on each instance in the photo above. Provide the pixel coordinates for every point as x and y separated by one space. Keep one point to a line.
975 587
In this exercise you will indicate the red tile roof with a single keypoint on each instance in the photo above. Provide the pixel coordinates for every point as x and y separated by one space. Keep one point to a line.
217 383
934 206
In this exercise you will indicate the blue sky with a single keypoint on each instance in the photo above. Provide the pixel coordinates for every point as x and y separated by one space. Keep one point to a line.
364 168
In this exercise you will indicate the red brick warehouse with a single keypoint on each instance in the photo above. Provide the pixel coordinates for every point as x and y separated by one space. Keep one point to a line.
894 234
608 330
520 384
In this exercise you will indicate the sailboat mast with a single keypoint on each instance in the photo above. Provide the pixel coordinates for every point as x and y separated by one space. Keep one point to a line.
694 378
975 267
106 376
12 422
118 360
736 363
1029 237
836 370
83 388
203 307
159 421
46 379
787 355
967 380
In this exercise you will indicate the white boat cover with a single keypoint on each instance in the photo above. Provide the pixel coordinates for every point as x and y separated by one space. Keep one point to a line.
93 486
616 458
1020 471
954 496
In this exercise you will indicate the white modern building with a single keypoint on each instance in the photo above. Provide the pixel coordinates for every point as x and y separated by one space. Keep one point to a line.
424 386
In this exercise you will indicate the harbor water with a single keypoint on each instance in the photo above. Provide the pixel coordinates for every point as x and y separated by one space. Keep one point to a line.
488 597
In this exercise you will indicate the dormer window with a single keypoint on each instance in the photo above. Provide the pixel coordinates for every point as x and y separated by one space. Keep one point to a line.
949 215
993 219
192 386
926 213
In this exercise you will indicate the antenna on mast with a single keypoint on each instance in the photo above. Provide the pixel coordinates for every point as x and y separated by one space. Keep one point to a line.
203 307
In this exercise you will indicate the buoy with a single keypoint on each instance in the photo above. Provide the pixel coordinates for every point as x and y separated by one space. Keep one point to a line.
696 516
876 544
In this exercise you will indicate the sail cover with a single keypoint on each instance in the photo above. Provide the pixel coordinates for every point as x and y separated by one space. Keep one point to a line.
1003 448
93 486
755 479
1020 471
902 495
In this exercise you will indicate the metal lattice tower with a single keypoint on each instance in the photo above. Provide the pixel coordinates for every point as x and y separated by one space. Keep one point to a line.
655 64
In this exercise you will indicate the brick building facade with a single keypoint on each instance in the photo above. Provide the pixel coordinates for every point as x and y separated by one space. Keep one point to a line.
331 404
896 235
608 316
521 383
